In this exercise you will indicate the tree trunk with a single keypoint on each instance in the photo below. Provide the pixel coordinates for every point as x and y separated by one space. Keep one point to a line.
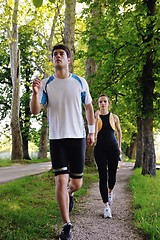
25 131
131 151
148 84
69 29
25 148
91 66
140 144
25 123
44 136
149 159
17 153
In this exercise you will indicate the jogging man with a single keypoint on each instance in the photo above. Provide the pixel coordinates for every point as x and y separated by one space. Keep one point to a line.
64 94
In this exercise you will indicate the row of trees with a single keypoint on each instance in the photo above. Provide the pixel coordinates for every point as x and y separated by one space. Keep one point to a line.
116 45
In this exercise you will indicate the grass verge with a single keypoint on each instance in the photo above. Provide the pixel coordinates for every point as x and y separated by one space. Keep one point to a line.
146 191
28 207
8 162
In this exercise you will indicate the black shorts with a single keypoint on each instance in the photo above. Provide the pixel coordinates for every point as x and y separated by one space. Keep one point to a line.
68 156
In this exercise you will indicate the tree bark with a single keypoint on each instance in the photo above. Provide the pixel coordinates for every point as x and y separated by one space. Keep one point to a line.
131 151
17 153
139 145
25 120
25 131
149 160
43 147
69 28
25 148
148 84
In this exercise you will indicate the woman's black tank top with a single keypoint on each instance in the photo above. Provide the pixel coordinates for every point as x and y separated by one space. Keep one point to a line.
106 134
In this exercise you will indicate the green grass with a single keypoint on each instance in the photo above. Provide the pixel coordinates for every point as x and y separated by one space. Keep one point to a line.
8 162
28 210
146 202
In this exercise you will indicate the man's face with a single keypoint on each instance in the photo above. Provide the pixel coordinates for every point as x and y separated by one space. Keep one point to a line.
60 59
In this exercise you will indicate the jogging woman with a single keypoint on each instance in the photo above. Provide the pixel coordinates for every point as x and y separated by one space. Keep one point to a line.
107 151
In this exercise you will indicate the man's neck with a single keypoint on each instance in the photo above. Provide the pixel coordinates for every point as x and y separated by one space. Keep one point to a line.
62 73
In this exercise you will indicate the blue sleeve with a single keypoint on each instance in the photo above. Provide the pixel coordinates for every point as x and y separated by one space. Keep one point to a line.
83 97
44 98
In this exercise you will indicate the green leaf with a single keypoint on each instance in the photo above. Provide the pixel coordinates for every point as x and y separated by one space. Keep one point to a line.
52 1
37 3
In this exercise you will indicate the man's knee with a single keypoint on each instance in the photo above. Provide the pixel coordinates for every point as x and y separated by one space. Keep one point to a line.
61 180
75 184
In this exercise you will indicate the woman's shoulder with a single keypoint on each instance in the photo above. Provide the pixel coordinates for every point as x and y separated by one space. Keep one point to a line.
114 116
113 120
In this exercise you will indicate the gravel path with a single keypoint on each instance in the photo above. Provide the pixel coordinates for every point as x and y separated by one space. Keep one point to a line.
90 225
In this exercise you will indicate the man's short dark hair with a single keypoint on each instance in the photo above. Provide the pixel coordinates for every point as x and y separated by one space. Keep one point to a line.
61 46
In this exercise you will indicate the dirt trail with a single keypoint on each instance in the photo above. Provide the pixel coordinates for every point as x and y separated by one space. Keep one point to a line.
90 225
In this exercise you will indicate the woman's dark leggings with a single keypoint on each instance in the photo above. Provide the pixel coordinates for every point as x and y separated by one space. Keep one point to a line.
107 164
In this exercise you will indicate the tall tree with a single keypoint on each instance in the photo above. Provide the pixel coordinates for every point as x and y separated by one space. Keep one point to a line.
148 85
17 153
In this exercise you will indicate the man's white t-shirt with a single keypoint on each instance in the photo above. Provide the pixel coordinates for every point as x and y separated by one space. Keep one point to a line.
64 99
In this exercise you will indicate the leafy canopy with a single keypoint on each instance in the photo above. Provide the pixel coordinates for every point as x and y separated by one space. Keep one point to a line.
38 3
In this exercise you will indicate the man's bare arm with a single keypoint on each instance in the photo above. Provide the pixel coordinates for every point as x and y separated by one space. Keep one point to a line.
91 123
35 106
